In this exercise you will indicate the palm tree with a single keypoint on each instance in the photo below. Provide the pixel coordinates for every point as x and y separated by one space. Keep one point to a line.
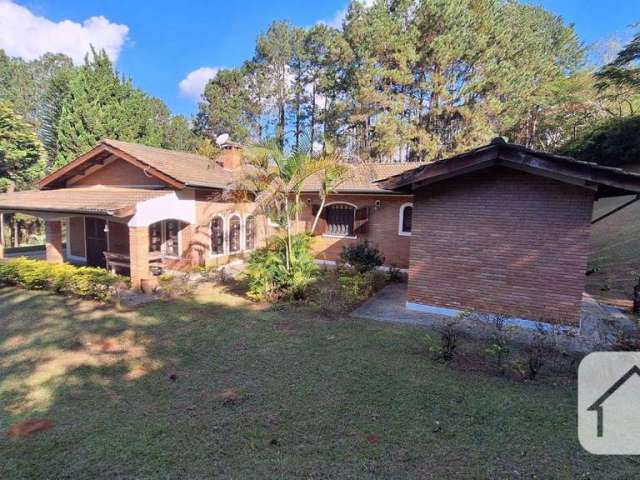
275 179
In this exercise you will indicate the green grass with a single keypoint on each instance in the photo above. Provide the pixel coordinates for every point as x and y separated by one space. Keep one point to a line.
264 393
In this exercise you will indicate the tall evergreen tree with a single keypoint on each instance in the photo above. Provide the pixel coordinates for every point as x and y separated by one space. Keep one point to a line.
101 104
21 153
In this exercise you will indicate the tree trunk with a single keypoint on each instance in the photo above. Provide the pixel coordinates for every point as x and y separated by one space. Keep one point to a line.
318 213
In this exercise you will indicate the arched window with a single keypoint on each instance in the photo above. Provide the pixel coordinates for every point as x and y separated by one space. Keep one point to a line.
250 232
217 235
235 230
406 216
340 219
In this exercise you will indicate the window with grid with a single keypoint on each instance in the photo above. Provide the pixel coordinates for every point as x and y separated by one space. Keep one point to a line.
217 236
234 234
340 219
250 233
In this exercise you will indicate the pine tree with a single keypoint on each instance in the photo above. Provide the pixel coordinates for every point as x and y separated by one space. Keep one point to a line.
21 153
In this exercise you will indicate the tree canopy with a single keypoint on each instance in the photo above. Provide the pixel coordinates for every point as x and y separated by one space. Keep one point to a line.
21 153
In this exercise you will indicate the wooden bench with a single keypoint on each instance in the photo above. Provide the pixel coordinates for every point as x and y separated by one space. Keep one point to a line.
121 260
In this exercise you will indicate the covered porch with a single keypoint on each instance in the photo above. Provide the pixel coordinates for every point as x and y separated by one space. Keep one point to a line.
136 232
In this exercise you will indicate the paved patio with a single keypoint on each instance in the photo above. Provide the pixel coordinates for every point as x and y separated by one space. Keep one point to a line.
599 322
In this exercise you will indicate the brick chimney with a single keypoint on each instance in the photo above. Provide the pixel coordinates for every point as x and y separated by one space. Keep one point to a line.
231 156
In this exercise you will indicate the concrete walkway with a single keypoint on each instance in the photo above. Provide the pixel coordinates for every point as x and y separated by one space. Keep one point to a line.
599 323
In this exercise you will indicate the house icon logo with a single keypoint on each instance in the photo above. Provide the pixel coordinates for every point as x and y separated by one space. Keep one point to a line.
609 403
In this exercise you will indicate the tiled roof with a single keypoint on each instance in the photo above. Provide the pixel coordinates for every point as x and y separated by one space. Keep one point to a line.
96 200
362 177
188 168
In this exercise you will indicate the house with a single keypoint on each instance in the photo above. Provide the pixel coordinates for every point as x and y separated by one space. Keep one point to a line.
131 208
504 229
499 229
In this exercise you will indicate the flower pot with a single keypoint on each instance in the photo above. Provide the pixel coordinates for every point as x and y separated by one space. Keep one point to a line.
148 285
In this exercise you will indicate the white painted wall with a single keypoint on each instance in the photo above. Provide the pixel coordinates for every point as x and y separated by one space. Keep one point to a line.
178 205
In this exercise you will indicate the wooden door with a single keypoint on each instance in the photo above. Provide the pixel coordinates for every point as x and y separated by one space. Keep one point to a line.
96 241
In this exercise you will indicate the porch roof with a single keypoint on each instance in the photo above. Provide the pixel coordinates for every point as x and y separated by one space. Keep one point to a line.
98 200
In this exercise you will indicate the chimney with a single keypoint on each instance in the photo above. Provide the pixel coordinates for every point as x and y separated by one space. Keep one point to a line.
231 156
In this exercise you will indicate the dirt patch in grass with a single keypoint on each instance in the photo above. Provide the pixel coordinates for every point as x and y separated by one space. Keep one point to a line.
29 427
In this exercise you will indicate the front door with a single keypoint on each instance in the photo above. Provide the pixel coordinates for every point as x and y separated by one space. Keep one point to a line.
96 241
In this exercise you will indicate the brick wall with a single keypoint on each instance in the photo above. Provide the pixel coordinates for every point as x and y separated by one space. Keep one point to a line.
77 246
382 229
53 233
501 241
116 173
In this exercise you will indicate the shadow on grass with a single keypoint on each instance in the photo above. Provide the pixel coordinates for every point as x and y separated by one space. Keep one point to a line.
221 387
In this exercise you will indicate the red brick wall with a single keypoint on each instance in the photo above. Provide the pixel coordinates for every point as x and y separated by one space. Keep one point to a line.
77 245
502 241
116 173
119 238
382 229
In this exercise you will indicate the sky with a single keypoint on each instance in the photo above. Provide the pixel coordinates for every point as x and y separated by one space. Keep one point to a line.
170 49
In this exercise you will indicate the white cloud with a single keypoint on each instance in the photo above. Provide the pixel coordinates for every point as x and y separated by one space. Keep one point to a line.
192 86
25 35
338 18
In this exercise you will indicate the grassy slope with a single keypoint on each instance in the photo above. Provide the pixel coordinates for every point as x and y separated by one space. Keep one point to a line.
317 399
616 250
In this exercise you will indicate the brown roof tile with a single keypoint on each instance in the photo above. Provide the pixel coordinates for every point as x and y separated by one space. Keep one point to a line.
96 200
363 176
188 168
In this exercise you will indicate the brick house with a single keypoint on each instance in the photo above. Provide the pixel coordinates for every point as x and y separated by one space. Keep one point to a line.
504 229
499 229
132 208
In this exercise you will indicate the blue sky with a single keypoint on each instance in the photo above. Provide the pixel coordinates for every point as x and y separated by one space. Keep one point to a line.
158 43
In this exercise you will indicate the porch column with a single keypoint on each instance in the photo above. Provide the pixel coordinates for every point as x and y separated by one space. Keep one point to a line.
53 230
139 255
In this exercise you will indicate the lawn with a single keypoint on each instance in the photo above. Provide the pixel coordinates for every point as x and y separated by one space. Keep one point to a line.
225 388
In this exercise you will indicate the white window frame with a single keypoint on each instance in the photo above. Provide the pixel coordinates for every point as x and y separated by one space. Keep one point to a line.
355 207
224 237
242 239
401 215
163 237
76 258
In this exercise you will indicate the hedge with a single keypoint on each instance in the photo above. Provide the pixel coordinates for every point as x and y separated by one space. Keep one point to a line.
85 282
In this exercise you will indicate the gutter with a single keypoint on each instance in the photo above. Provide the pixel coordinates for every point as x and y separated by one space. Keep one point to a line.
617 209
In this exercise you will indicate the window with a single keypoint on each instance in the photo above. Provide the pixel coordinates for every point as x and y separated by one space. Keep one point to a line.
163 237
171 246
155 237
234 234
250 233
406 216
340 219
217 236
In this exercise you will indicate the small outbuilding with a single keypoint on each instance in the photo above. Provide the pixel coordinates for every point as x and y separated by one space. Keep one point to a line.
504 229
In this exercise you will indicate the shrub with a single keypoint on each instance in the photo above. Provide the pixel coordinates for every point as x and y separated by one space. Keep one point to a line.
341 290
537 351
362 256
85 282
499 343
267 273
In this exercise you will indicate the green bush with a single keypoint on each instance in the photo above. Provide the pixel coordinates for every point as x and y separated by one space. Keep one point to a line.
341 290
85 282
267 274
362 256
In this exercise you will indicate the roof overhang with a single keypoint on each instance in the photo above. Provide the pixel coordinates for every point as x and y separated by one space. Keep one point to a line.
120 203
606 181
97 157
